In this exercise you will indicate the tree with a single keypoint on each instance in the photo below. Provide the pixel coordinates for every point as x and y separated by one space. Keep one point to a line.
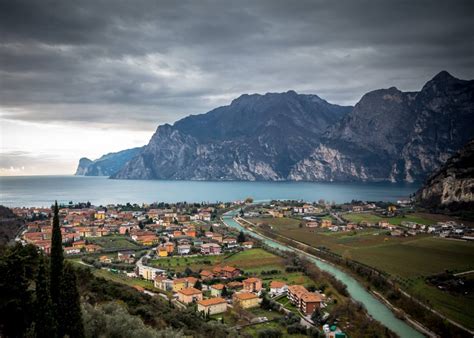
241 237
198 285
70 305
15 298
224 292
316 317
57 260
45 323
211 229
265 304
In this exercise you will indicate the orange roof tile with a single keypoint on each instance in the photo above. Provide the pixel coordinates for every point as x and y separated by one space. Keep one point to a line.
245 295
190 291
277 284
218 286
212 301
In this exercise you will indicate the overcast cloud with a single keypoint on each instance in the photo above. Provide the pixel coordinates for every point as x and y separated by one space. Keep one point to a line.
136 64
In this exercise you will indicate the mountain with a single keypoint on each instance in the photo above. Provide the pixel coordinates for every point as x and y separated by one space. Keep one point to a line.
452 186
395 136
107 164
389 135
256 137
84 163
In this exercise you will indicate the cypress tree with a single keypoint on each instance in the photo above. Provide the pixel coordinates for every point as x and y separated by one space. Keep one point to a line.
57 258
70 305
241 237
45 323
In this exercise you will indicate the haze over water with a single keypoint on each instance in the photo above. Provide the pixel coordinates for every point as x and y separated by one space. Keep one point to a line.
43 190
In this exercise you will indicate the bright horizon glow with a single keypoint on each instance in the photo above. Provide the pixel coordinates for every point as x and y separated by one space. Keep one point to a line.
54 149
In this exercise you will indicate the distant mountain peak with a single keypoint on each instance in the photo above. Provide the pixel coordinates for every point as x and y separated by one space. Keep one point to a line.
443 76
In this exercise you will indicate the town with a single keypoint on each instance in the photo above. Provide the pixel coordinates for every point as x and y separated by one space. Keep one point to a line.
187 254
149 243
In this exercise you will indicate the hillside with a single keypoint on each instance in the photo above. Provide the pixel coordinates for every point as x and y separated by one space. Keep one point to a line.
9 225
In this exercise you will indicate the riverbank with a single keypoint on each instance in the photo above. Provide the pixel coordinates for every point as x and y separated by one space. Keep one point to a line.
396 312
381 280
374 307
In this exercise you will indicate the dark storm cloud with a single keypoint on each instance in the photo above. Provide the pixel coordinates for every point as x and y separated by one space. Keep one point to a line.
139 63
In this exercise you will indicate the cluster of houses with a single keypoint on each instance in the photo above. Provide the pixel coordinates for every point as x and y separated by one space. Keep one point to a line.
174 229
230 289
452 229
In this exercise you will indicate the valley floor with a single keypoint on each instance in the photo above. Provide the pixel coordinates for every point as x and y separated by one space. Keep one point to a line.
409 260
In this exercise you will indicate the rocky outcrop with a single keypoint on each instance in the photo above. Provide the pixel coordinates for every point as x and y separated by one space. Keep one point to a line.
395 136
452 186
83 165
107 164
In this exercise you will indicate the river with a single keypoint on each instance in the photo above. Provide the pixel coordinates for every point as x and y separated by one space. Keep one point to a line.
374 306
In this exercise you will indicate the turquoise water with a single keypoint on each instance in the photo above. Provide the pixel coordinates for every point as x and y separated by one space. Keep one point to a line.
43 190
375 307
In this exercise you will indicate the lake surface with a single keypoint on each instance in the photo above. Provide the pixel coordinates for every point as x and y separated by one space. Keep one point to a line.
43 190
374 307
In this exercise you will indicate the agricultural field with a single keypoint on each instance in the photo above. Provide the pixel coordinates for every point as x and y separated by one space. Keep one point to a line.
114 242
426 256
372 218
456 306
282 223
409 259
180 263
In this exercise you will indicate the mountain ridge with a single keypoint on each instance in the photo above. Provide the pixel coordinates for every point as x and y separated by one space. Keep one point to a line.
389 135
107 164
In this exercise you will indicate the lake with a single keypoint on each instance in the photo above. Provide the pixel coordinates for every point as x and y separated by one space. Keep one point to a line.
43 190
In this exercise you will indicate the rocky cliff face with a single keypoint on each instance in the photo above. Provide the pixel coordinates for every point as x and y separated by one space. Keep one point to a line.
107 164
395 136
256 137
84 163
452 186
389 135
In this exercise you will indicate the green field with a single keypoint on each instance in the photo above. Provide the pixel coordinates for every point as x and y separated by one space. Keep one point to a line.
456 306
282 223
408 259
371 218
419 256
254 329
113 242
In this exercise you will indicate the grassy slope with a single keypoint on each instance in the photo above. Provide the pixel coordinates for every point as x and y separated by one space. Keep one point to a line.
113 242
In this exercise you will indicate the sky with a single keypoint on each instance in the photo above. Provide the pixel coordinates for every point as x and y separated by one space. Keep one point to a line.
84 78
